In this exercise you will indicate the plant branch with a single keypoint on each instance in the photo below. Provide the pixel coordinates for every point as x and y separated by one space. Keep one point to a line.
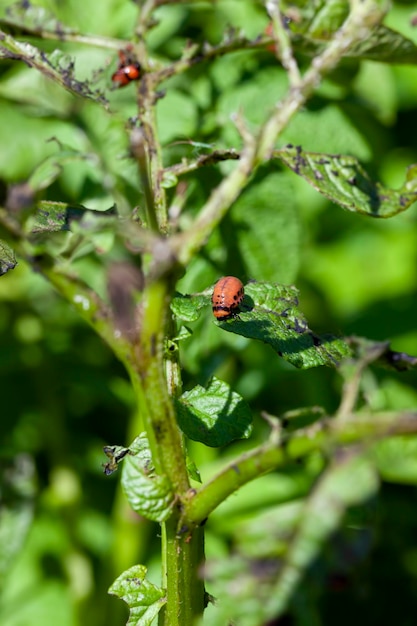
62 75
184 556
66 35
204 160
363 17
160 423
362 429
283 46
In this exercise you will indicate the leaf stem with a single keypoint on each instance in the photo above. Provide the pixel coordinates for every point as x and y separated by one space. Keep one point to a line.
160 423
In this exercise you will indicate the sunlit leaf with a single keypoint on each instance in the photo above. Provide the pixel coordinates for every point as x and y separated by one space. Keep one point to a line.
33 19
270 314
144 599
188 308
384 45
53 217
7 258
56 66
343 180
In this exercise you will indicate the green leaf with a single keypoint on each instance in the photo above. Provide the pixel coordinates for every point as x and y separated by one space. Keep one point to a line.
396 459
148 494
34 19
52 217
144 599
57 66
188 307
215 415
266 213
343 180
177 116
270 314
318 19
7 258
384 45
49 170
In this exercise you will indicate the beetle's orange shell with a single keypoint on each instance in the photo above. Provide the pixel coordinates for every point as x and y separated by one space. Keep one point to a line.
124 75
227 295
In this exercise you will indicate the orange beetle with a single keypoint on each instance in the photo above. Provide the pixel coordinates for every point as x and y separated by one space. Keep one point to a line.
124 75
227 295
128 69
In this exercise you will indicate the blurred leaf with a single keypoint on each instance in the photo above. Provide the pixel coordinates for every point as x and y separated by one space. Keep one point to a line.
148 494
215 415
349 480
384 45
267 213
177 116
17 491
269 533
396 459
343 180
49 170
244 97
7 258
368 351
52 217
319 19
314 23
57 66
34 19
266 585
328 17
144 599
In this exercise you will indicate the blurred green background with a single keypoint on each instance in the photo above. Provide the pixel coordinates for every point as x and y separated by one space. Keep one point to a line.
63 394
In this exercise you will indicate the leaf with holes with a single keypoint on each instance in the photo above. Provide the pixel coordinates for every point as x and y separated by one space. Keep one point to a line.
342 180
148 494
7 258
144 599
270 313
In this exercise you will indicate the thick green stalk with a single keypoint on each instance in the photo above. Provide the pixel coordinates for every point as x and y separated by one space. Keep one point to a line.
182 553
159 419
184 559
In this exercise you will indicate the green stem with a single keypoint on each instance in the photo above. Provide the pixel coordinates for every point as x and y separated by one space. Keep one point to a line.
159 419
360 429
184 556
